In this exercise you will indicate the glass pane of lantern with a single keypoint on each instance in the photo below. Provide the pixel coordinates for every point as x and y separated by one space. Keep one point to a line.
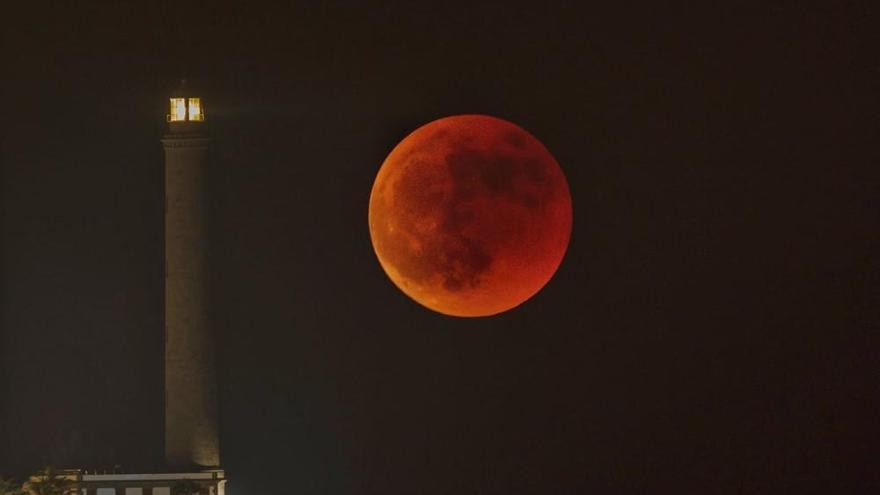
178 109
195 109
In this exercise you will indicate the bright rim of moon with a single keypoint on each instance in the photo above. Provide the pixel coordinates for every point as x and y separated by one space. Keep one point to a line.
470 215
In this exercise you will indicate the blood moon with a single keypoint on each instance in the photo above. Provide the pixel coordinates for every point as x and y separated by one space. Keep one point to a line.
470 215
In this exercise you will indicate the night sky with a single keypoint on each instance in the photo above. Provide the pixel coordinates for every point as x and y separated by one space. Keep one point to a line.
714 326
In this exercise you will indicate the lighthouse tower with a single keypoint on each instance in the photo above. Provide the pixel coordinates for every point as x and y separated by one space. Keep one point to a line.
192 447
191 426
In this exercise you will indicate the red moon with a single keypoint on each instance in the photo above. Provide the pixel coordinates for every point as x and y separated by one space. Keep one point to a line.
470 215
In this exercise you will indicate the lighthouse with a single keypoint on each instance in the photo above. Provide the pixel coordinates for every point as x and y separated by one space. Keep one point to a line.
191 426
192 448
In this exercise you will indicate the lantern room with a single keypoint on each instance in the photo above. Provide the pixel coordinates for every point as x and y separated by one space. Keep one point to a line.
185 108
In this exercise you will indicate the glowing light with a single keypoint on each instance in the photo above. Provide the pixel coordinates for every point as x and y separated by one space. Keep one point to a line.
178 110
195 109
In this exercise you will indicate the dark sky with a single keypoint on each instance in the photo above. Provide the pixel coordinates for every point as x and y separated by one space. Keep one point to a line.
713 327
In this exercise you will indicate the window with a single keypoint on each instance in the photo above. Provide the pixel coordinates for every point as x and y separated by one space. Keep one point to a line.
195 109
178 110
